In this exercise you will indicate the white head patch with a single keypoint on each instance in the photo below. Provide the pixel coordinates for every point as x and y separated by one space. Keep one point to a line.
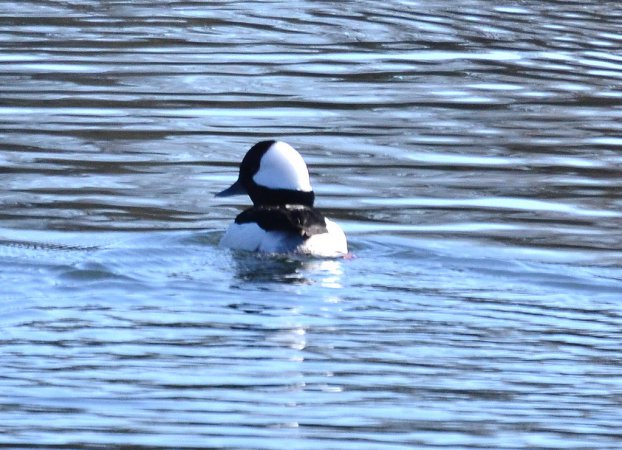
282 167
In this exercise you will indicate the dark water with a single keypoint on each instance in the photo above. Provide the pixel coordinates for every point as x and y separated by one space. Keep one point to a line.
471 152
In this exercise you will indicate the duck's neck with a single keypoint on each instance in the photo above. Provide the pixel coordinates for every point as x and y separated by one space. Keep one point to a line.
270 197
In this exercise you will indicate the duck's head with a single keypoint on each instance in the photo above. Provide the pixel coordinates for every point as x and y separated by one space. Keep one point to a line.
273 173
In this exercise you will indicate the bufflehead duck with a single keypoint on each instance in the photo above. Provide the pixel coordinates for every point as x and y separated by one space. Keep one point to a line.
282 218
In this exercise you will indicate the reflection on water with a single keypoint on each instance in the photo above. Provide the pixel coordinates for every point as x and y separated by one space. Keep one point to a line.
255 269
471 153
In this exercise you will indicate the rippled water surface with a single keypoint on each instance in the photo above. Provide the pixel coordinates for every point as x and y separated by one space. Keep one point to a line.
472 152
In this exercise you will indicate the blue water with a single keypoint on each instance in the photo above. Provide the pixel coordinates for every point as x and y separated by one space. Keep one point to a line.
471 153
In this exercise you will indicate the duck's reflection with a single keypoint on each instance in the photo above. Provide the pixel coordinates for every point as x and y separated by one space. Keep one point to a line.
286 269
293 303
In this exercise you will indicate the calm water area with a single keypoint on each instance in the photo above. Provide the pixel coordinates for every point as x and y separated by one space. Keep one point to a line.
471 151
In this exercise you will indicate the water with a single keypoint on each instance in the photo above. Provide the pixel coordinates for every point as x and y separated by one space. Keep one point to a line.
471 152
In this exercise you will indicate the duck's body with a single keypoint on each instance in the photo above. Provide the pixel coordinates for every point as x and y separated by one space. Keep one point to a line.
282 218
285 229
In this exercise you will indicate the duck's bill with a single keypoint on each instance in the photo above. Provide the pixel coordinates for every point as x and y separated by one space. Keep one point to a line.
235 189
